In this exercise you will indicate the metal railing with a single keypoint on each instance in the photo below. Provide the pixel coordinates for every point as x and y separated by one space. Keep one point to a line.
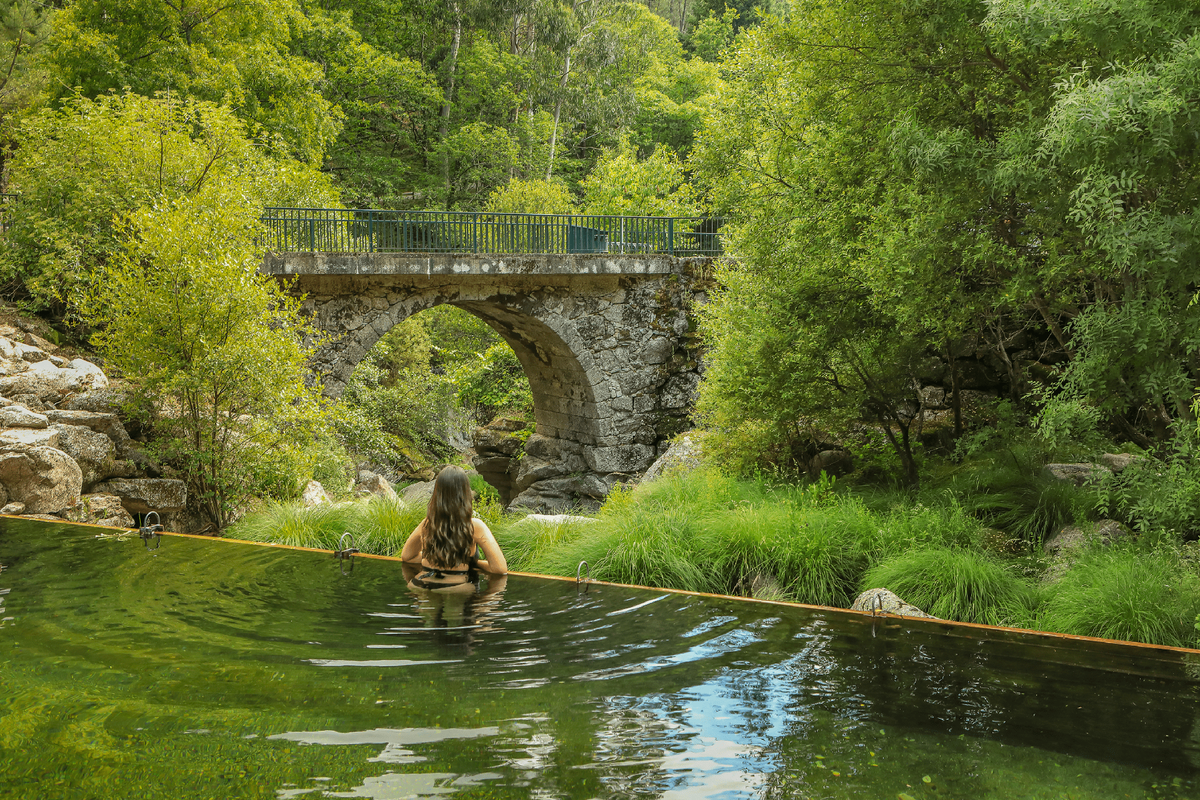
290 230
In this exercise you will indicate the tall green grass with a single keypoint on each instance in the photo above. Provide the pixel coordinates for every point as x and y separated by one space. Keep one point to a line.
1126 592
962 585
379 525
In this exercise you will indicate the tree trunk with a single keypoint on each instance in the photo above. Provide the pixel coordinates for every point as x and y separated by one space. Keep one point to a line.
562 86
955 397
445 127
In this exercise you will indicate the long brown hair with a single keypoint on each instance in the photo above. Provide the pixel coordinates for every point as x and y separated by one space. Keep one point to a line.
448 538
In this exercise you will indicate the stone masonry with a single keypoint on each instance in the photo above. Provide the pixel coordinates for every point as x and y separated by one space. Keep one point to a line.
605 340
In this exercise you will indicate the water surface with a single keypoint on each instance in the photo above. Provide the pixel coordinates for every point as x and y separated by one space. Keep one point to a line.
224 670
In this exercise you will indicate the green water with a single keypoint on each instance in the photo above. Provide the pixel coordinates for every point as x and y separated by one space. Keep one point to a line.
210 669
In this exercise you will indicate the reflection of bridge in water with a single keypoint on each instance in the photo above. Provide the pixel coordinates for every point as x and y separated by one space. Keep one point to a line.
383 231
597 309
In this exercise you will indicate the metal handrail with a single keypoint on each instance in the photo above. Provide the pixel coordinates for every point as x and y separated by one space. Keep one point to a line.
358 230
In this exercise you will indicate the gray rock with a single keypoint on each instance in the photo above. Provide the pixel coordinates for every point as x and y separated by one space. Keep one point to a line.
531 469
314 494
887 602
489 440
29 437
30 401
100 422
18 416
934 397
681 457
1118 462
1073 537
13 509
143 495
45 479
99 509
375 484
94 452
1078 474
831 462
107 401
418 493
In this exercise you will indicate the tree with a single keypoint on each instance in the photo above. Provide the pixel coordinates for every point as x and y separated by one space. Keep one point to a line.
216 352
238 54
622 184
532 197
84 168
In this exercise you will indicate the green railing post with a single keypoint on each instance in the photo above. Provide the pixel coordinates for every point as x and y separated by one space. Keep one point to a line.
371 231
671 236
312 235
475 232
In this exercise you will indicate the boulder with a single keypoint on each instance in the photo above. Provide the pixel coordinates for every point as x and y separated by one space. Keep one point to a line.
887 602
372 483
45 479
831 462
94 452
18 416
490 440
1118 462
314 494
1073 537
418 493
682 456
13 509
1078 474
107 400
99 509
101 422
29 437
143 495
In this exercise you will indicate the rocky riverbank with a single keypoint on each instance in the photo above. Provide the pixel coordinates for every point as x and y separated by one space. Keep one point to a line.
65 453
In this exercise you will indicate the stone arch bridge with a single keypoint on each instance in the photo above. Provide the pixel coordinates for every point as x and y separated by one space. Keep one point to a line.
606 340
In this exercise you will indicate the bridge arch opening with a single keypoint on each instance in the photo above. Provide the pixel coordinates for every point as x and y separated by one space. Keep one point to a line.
564 407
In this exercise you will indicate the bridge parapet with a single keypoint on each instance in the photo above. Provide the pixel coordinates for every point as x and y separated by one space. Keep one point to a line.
465 264
339 230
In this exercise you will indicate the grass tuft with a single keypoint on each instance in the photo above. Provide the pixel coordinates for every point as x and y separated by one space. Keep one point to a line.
1126 592
962 585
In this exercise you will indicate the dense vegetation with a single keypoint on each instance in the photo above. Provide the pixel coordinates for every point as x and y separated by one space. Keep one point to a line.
990 202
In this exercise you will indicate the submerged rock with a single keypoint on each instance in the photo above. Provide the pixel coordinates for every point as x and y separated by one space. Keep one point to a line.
887 602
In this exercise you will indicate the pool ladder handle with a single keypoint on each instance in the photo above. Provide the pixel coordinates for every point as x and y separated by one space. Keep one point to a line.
876 607
583 575
343 553
150 530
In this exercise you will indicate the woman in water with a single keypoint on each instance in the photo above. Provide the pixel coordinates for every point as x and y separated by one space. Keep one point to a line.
449 540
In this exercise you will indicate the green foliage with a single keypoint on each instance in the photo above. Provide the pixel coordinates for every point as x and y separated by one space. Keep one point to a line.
953 584
1010 490
495 381
655 186
1157 494
713 34
1126 592
930 176
234 53
216 352
532 197
83 169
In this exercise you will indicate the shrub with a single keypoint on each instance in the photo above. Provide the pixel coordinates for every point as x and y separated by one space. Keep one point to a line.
1126 592
1157 496
954 584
